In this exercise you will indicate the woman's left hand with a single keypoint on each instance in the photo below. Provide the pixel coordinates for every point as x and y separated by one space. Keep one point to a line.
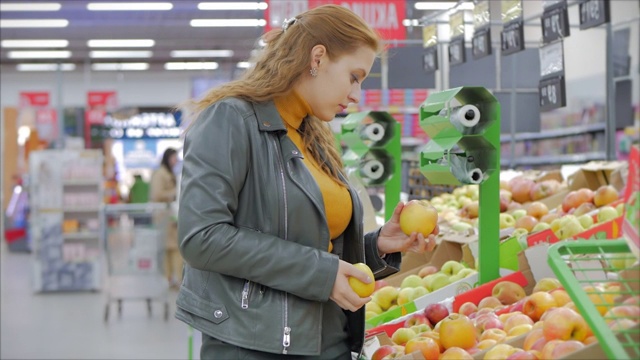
392 239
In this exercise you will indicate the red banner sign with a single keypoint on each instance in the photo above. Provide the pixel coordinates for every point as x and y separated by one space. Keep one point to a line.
47 124
385 16
34 99
102 99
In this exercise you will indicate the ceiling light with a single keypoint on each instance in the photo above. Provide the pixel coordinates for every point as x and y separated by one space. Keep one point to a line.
45 67
232 6
201 53
39 6
442 5
34 43
227 22
129 6
39 54
121 43
191 66
120 54
33 23
243 65
119 66
410 22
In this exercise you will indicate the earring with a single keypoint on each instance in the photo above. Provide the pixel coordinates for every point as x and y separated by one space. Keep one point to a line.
313 71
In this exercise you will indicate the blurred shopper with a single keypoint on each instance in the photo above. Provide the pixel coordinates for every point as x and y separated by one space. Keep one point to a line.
269 227
163 189
139 194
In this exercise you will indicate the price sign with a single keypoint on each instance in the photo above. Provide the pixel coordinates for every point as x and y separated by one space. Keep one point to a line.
456 24
555 23
512 37
481 43
429 35
552 93
593 13
430 59
481 14
457 51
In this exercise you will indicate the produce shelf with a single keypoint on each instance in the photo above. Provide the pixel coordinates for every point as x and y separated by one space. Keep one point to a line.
582 263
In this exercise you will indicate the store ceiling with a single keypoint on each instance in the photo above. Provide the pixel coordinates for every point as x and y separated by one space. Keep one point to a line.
170 30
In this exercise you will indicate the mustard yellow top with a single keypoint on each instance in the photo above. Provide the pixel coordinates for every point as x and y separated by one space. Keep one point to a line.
337 202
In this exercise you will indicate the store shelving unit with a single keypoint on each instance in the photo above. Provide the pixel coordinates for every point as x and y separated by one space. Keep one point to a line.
66 188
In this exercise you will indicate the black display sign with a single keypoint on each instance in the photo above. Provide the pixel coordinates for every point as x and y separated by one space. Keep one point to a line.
457 51
593 13
552 93
481 43
512 37
555 23
430 59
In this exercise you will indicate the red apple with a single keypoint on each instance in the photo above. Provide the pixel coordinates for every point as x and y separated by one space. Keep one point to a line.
508 292
383 352
493 334
537 303
435 312
490 302
537 209
487 321
468 308
526 222
605 195
426 346
521 189
547 350
523 355
516 320
566 325
531 338
562 350
416 319
501 351
417 217
455 353
544 189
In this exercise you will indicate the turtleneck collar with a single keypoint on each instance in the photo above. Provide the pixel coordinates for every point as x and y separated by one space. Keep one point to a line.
292 108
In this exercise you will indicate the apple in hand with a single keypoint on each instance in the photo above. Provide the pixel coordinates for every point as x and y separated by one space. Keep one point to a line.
417 217
360 288
435 312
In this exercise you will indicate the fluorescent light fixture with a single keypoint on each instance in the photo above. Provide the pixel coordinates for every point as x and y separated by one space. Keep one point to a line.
120 54
232 6
227 22
121 43
32 6
33 23
34 43
45 67
119 66
39 54
201 53
243 65
129 6
191 65
410 22
442 5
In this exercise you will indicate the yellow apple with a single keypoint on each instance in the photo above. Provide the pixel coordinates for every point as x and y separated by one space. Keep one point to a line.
416 217
360 288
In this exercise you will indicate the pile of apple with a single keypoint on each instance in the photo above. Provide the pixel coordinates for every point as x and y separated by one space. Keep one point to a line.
508 313
428 279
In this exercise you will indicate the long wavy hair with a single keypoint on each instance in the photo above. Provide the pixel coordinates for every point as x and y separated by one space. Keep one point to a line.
285 59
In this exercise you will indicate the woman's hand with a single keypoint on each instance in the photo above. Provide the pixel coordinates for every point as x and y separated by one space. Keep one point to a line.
392 239
342 293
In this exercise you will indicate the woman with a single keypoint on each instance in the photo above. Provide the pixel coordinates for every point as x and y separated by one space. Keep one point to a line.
268 225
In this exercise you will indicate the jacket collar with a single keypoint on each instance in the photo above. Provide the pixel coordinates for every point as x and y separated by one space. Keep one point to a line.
268 117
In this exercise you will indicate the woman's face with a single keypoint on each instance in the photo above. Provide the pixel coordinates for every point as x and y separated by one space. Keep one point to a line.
337 84
173 160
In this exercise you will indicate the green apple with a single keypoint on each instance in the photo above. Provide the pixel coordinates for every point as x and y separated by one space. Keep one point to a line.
517 214
385 297
586 220
373 307
620 209
461 226
540 226
429 280
519 232
406 295
451 267
569 228
419 291
461 274
507 221
607 213
440 282
411 281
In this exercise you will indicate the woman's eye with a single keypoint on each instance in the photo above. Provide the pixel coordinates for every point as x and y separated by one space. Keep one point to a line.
354 79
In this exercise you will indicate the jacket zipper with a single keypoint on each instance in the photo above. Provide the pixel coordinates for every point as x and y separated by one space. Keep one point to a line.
286 336
246 290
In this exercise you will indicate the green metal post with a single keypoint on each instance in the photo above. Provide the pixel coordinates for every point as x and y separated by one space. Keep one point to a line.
394 185
489 230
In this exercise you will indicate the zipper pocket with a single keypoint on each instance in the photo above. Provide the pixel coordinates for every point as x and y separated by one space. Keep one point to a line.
246 291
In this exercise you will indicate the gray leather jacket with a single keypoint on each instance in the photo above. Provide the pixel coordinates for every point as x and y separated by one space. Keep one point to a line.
253 234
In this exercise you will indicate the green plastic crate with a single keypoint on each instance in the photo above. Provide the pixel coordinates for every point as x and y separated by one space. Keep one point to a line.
581 263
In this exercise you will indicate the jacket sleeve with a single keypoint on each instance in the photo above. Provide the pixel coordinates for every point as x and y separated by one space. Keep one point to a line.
380 267
217 159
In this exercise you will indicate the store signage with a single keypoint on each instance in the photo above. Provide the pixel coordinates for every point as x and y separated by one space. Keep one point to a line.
144 125
481 43
512 37
47 124
430 59
457 51
103 99
552 93
34 98
593 13
385 16
555 23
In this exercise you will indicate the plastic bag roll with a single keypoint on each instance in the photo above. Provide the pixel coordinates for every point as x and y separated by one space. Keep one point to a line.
475 176
372 169
467 116
373 132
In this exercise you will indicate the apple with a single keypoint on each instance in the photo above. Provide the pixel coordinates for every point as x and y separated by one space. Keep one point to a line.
544 189
620 209
517 214
470 210
569 227
519 330
425 345
537 303
516 320
490 302
451 267
605 195
562 350
623 311
504 201
457 330
586 221
547 350
508 292
416 319
384 352
546 284
461 226
606 213
416 217
590 340
385 297
468 308
531 338
633 300
435 312
462 274
540 226
420 328
405 296
373 307
419 292
603 300
427 270
521 189
621 324
455 353
429 280
566 325
550 217
411 281
402 335
537 209
363 289
506 221
523 355
517 306
435 335
486 343
513 206
560 296
574 198
501 351
486 322
584 208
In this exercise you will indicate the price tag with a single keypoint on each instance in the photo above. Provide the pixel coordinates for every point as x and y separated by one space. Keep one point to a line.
456 24
430 59
481 14
512 37
481 43
457 51
429 35
552 93
552 59
593 13
555 23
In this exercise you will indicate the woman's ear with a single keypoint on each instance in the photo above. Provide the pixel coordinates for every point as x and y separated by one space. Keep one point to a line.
318 53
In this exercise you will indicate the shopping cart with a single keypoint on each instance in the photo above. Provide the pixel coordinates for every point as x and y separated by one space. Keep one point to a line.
134 238
590 274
